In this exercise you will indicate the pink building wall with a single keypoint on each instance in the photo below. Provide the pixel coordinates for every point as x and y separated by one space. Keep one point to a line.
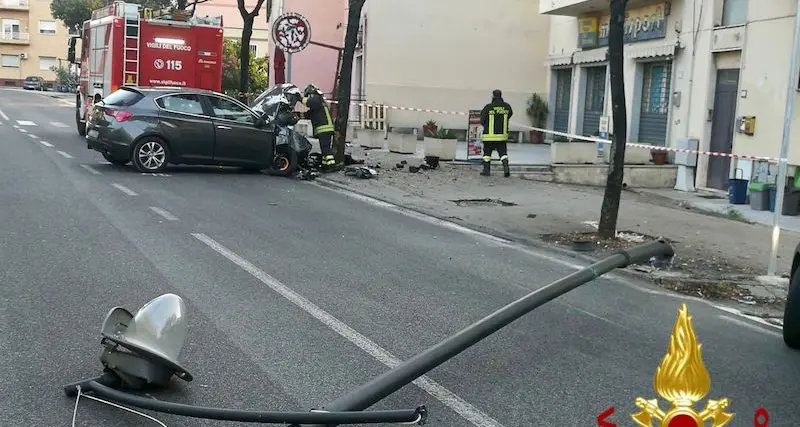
315 64
229 10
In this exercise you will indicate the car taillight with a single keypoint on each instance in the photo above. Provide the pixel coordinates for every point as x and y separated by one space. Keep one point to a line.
120 116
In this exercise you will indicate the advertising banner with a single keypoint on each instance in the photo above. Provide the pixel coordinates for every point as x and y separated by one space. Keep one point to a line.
474 132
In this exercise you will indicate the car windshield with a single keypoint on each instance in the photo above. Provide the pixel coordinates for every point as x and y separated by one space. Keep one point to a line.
32 79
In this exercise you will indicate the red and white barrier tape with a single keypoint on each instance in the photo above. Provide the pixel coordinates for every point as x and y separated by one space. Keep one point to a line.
580 137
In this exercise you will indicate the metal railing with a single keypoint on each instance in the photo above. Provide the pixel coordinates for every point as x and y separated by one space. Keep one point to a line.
14 36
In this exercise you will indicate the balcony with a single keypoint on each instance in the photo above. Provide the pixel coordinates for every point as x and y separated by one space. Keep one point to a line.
13 4
15 38
585 7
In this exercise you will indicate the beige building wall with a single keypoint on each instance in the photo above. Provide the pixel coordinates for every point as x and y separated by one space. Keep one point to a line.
753 37
449 55
31 41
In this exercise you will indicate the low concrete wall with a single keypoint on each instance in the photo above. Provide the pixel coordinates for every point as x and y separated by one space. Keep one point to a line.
579 153
636 176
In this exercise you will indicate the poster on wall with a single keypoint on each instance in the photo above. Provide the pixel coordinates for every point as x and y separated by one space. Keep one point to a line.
474 132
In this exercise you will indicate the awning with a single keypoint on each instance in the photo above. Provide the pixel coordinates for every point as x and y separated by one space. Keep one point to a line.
558 60
587 56
651 50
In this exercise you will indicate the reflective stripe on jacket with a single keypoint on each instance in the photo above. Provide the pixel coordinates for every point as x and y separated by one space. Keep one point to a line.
320 114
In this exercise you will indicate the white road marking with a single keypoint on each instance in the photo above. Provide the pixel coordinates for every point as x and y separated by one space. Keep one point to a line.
124 189
15 126
22 130
59 125
64 155
26 123
3 115
448 398
91 170
164 213
33 136
749 325
533 252
45 143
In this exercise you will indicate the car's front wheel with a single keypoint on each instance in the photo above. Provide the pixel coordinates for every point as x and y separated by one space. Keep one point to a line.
150 155
285 162
791 314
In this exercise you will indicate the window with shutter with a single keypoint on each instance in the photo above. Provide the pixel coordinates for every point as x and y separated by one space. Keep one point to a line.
47 27
11 61
46 63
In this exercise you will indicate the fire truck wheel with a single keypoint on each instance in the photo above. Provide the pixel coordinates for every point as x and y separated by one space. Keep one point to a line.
81 124
150 155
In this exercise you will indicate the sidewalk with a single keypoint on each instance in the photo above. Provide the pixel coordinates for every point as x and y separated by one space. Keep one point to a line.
709 249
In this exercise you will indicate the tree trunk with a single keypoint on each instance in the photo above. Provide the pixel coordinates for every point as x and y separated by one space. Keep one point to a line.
244 54
346 77
609 212
248 18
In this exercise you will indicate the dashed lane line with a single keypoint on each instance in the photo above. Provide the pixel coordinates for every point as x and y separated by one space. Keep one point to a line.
64 155
3 115
124 189
45 143
91 170
164 213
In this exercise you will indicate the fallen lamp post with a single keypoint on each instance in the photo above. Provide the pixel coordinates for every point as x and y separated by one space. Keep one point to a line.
144 354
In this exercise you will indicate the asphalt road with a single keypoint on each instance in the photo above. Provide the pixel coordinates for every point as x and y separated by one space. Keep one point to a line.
298 293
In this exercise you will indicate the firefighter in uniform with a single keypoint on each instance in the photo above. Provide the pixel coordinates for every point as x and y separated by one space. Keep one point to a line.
495 117
320 115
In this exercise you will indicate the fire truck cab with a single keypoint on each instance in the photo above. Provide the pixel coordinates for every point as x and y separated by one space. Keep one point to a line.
124 45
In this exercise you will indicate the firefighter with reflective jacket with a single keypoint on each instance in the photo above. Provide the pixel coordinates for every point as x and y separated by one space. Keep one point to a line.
495 117
320 115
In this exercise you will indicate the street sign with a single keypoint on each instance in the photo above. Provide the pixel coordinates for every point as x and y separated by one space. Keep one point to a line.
291 32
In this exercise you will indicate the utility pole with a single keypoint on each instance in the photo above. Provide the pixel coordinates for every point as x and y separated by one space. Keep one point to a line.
780 183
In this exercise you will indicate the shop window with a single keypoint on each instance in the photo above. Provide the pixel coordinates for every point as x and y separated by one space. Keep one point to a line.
734 12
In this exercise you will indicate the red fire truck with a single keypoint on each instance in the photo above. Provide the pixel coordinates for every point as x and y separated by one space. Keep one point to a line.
123 45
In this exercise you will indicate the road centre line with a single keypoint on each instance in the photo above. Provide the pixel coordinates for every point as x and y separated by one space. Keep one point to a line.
439 392
33 136
23 130
91 170
64 155
124 189
45 143
534 252
164 213
3 115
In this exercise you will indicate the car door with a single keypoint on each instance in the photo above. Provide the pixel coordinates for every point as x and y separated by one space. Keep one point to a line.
238 140
188 128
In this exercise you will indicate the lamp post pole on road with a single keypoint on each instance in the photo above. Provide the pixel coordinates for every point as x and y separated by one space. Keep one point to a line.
780 183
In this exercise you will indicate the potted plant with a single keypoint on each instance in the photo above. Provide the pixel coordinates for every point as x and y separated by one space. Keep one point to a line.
403 142
441 144
429 128
659 157
370 137
537 111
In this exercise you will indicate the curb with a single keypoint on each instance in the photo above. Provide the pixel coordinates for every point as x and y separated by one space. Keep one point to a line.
534 243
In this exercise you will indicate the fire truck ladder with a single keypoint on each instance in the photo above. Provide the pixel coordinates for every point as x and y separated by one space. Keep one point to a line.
131 68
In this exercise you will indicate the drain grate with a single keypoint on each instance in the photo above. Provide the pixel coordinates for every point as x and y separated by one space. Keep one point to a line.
482 202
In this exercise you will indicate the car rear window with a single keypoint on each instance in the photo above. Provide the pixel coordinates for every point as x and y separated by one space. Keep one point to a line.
123 98
32 79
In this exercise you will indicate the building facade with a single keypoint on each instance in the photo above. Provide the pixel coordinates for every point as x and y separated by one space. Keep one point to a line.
233 23
31 41
449 55
693 70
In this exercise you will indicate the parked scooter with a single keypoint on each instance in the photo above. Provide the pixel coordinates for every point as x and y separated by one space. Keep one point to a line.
292 150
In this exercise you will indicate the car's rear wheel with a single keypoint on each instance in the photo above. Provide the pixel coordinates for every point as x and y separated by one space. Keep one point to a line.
114 161
285 162
150 155
791 314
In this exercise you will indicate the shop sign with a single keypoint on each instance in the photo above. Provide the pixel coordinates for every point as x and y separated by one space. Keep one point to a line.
645 23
